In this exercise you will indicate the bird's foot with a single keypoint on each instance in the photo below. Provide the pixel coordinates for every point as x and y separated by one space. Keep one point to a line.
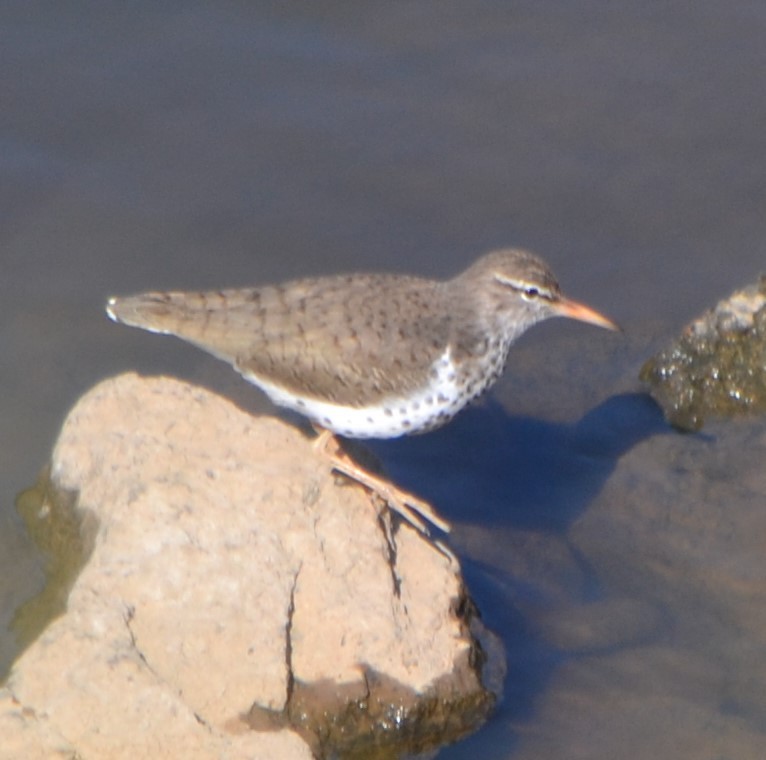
410 507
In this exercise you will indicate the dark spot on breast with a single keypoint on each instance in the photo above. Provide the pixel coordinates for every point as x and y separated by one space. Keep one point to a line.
387 411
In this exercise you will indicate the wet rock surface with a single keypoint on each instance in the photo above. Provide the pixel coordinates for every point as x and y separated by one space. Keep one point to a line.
717 368
679 530
226 596
651 604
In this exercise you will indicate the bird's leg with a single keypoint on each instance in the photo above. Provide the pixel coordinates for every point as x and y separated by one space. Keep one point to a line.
407 505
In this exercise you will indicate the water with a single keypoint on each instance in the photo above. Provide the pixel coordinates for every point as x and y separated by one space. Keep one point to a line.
189 146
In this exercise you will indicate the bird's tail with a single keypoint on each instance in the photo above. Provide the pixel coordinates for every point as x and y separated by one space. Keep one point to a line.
156 312
210 319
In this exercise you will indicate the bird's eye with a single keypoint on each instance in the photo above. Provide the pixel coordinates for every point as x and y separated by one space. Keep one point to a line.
530 293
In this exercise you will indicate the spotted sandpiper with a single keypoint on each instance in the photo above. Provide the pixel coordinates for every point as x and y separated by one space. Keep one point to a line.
368 355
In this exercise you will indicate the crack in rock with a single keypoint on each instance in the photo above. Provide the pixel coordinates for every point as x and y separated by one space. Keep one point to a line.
288 638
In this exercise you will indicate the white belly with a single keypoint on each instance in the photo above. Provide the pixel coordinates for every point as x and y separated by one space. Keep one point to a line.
390 417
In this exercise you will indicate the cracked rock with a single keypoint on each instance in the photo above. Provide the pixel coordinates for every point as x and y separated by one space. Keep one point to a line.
229 599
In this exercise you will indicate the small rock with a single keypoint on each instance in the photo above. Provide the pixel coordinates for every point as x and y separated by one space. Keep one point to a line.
718 365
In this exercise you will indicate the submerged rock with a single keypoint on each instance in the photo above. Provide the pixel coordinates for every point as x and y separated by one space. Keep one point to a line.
717 368
228 598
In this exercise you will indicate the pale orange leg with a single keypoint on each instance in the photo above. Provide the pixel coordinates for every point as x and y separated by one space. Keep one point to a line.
407 505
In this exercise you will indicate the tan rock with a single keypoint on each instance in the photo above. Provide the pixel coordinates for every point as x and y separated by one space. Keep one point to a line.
233 585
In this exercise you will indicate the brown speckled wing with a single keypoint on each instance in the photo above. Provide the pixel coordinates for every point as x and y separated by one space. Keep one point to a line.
349 339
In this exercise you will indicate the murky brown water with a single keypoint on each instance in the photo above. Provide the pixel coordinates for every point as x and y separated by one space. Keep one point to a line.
190 146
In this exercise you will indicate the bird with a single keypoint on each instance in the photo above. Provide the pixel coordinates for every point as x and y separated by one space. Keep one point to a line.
369 355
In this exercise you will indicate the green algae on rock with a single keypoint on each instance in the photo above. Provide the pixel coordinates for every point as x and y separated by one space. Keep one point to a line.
65 535
717 368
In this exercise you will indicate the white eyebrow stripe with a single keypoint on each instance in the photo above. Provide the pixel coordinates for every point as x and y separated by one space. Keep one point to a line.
524 285
516 284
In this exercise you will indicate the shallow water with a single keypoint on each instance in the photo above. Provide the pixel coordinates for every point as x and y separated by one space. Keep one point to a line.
189 146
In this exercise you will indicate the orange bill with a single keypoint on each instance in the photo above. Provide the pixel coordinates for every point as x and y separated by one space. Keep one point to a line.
574 310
